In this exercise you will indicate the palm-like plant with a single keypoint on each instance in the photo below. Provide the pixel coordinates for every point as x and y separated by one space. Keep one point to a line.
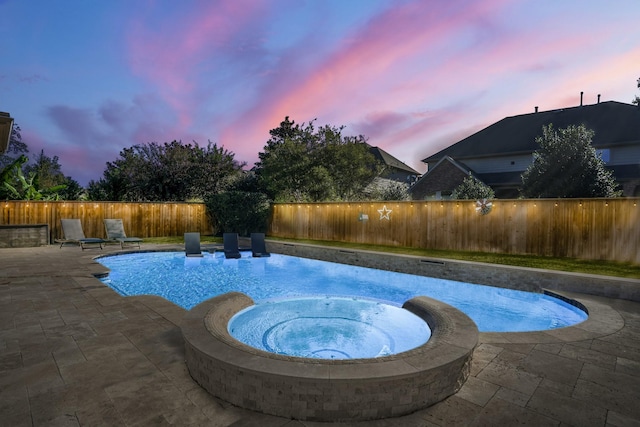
18 187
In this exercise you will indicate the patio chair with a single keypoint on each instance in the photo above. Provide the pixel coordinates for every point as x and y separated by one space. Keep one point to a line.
74 234
230 241
115 233
192 245
258 247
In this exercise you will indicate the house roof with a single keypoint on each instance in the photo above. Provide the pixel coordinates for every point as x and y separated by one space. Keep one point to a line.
6 124
466 170
445 161
614 123
391 161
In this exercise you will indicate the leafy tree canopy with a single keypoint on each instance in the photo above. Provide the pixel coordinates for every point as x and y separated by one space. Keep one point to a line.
165 172
302 163
637 98
567 165
40 180
14 185
47 173
472 188
240 212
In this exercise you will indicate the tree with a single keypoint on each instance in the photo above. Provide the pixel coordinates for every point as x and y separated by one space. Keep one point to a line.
567 165
302 163
15 186
349 163
165 172
40 180
238 211
472 188
637 98
15 149
48 174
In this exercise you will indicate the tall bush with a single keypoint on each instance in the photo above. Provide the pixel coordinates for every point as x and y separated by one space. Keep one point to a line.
238 211
567 165
472 188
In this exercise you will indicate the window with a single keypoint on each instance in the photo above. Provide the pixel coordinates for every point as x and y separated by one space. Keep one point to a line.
605 154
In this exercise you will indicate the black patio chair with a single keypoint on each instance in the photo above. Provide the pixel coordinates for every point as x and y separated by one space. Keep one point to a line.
230 241
258 246
192 245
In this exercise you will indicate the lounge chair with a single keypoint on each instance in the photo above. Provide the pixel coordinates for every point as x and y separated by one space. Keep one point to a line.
115 233
192 244
258 247
73 233
230 241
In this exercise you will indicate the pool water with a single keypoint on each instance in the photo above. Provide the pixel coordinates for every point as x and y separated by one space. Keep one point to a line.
329 328
189 281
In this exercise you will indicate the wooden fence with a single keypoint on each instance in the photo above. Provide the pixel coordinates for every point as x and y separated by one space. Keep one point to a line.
597 229
140 219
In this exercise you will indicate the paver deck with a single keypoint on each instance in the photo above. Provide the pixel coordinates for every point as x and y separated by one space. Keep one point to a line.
74 352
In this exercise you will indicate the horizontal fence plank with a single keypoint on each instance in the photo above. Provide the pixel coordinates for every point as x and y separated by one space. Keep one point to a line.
139 219
596 229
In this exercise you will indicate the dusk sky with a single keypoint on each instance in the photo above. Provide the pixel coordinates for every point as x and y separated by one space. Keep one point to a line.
86 78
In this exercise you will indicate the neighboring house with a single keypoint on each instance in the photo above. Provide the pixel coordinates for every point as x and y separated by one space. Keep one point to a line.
500 153
440 180
394 170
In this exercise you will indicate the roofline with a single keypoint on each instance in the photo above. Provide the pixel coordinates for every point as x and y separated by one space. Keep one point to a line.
434 156
454 162
511 153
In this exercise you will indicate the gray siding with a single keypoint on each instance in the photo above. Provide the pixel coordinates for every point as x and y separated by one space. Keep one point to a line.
514 163
624 155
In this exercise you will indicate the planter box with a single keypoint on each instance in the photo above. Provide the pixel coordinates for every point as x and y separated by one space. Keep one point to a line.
24 235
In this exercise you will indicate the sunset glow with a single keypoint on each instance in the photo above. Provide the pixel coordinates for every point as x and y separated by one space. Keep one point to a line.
86 79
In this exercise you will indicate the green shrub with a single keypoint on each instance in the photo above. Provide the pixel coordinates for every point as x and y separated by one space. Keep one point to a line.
238 212
472 188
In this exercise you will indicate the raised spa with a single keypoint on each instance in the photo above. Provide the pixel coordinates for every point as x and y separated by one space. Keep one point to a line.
329 328
329 389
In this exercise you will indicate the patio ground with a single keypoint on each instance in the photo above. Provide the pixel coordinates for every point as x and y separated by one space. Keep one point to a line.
74 352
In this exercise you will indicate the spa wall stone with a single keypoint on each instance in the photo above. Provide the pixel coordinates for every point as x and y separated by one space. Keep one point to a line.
328 390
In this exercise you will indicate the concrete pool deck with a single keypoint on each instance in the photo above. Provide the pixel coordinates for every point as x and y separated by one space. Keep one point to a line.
74 352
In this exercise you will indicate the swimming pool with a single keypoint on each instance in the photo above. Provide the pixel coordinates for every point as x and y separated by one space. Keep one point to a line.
189 281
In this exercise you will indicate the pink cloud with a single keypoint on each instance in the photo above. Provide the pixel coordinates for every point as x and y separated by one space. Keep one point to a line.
383 80
380 122
338 86
177 59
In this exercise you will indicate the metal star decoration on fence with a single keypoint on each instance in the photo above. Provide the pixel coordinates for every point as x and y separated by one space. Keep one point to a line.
385 213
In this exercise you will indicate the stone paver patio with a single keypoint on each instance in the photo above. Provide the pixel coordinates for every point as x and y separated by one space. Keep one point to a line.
74 352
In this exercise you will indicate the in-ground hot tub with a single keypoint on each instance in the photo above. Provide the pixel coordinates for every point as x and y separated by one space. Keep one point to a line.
328 389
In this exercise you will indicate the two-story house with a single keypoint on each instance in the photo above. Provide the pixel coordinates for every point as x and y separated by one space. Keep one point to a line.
500 153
